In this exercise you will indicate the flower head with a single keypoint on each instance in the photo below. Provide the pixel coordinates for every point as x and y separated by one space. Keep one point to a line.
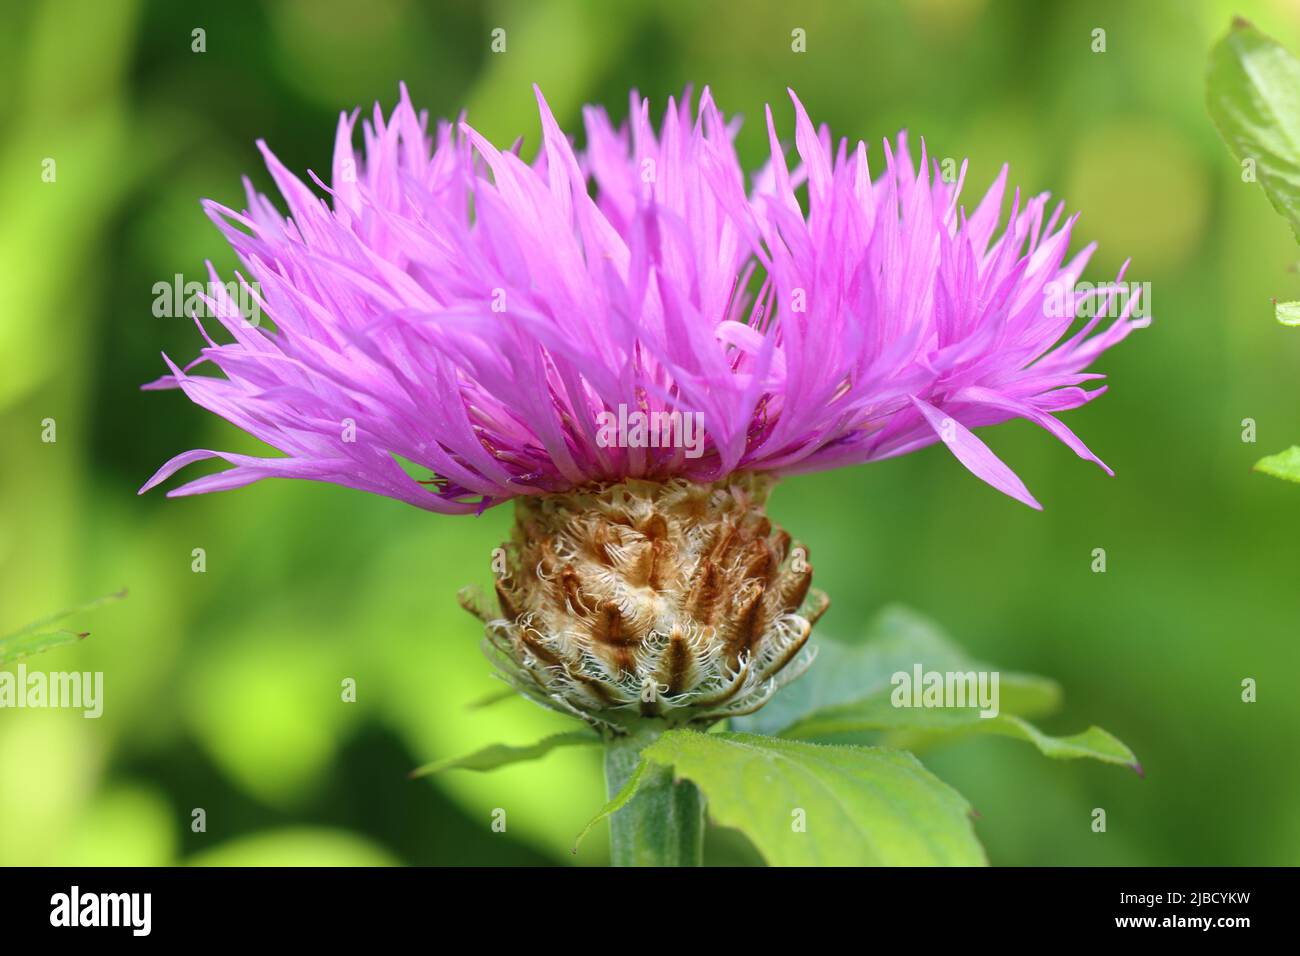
632 363
455 327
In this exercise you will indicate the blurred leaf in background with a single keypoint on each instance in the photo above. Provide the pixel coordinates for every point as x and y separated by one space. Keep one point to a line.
1254 99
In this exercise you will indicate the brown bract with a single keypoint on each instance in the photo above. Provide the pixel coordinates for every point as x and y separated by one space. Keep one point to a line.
652 600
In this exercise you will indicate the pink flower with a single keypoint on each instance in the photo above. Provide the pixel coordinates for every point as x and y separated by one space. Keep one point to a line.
455 327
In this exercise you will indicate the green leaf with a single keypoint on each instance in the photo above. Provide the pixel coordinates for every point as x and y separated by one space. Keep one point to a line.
805 804
896 639
40 636
501 755
1285 464
849 691
1288 313
1253 94
16 648
879 714
616 802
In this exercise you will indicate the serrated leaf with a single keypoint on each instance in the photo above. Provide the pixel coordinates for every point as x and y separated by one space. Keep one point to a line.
1285 464
41 636
858 806
879 714
847 695
1288 313
895 640
1253 94
501 755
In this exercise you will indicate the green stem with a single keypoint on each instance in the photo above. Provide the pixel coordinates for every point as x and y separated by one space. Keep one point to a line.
663 825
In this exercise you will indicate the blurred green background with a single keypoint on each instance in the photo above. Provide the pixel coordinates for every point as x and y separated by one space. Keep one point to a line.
222 689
